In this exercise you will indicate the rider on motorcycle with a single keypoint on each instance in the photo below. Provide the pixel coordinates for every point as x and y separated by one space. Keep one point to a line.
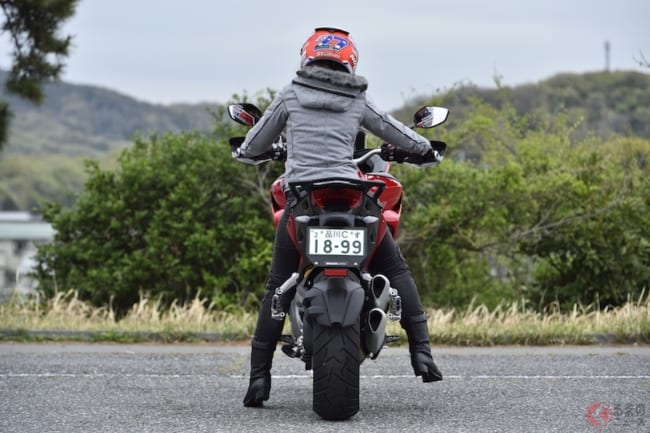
320 112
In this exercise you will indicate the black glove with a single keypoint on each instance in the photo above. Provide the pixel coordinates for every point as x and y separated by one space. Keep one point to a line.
235 142
435 154
278 151
438 146
391 153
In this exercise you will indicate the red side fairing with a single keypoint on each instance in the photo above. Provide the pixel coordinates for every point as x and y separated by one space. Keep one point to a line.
381 232
391 197
278 201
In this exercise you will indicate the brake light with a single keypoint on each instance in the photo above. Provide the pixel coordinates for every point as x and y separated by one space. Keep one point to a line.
348 198
335 272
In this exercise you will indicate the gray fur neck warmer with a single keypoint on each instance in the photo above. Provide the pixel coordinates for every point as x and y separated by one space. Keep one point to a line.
338 78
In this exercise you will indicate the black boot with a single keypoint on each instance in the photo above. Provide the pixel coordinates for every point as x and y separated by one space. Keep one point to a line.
259 386
267 334
418 335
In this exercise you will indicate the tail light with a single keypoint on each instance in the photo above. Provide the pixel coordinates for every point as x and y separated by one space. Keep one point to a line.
340 198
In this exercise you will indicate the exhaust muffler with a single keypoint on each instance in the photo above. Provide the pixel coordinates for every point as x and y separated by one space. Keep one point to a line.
380 291
376 335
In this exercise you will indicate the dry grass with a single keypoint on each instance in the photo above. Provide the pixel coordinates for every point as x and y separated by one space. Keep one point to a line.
517 324
146 319
23 318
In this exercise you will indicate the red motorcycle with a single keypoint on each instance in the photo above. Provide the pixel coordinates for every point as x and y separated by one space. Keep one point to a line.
338 310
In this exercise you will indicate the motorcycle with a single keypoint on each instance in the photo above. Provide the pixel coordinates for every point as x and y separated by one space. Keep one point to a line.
338 311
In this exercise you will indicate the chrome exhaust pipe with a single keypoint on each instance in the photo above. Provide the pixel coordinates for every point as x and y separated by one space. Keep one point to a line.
376 335
380 291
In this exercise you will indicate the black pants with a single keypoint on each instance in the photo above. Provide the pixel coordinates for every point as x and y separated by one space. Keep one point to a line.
388 260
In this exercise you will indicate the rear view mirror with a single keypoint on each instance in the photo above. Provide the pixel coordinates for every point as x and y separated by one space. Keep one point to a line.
244 113
428 117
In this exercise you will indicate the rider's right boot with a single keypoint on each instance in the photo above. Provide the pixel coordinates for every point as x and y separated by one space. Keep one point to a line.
259 386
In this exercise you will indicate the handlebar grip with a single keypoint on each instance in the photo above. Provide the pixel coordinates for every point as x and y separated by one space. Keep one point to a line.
438 146
391 153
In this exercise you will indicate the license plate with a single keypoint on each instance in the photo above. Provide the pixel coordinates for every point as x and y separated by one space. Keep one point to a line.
337 242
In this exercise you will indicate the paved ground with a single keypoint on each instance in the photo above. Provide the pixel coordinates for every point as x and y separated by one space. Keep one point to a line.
88 388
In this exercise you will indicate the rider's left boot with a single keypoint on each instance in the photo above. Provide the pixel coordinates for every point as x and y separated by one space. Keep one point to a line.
266 337
259 386
417 332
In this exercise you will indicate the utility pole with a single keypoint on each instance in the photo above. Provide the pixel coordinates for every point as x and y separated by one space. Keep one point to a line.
607 47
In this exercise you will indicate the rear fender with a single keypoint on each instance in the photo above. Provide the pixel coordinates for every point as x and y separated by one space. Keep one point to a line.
334 301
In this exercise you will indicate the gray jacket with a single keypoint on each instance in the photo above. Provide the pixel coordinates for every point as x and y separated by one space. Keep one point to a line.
321 112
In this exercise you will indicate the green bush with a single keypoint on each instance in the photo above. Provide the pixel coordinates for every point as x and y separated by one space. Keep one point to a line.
534 210
540 215
177 217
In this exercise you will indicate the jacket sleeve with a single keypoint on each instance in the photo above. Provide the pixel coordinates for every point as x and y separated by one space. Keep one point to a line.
392 131
260 137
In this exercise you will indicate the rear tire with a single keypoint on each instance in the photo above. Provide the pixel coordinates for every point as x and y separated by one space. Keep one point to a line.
336 365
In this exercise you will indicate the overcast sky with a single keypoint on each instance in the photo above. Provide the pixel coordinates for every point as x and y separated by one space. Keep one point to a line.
167 51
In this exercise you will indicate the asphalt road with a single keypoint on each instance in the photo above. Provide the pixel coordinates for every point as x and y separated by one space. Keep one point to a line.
89 388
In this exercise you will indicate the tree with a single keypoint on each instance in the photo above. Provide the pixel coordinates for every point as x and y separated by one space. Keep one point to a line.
33 27
642 61
541 215
177 217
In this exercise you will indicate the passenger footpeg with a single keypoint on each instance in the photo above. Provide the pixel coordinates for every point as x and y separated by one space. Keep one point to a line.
395 310
277 312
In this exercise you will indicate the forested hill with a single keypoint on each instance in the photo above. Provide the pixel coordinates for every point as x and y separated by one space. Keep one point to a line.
81 120
602 103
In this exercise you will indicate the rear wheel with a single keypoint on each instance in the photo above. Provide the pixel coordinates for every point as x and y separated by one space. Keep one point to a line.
336 368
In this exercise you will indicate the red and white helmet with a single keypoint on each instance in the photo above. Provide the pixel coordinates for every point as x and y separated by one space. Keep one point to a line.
328 43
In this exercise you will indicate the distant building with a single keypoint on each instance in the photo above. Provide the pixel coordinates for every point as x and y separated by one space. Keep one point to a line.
20 234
